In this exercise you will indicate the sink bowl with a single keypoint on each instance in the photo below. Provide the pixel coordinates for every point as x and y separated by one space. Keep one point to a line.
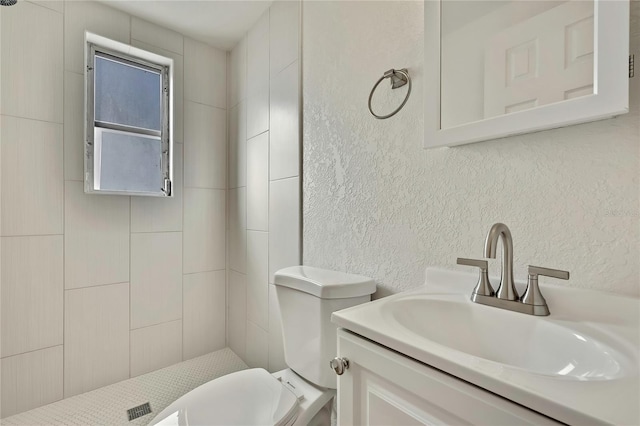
535 344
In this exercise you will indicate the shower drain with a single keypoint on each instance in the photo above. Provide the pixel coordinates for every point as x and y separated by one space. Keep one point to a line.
139 411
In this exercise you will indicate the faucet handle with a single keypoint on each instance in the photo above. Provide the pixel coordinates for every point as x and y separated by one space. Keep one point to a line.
483 287
548 272
532 295
482 264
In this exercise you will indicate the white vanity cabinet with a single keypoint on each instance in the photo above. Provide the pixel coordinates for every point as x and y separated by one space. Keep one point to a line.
383 387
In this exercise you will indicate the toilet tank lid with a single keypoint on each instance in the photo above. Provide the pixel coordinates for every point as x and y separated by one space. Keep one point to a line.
324 283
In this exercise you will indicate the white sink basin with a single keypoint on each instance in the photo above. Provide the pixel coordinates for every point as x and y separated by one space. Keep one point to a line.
579 365
518 340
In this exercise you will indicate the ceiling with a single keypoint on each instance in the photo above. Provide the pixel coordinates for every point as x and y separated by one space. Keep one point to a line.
219 23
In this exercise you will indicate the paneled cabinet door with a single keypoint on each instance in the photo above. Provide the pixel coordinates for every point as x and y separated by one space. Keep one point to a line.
382 387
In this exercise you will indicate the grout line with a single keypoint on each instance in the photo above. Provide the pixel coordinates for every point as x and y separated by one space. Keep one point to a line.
203 272
64 210
37 235
156 324
34 350
36 119
93 286
284 178
156 232
203 104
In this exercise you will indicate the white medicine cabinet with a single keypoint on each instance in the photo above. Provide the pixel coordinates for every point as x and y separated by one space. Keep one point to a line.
128 119
497 68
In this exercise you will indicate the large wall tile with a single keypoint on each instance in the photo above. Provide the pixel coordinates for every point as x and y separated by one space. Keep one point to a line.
160 214
276 344
205 74
30 380
32 293
238 145
237 313
204 313
73 126
238 229
257 352
238 75
284 34
96 337
258 55
258 112
32 66
258 278
205 147
284 126
156 278
155 35
96 243
178 86
32 177
284 224
81 16
155 347
204 230
258 183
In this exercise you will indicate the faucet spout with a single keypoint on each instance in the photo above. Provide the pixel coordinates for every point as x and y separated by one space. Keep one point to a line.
506 290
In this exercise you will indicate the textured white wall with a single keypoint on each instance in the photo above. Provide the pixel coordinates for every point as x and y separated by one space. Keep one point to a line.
376 203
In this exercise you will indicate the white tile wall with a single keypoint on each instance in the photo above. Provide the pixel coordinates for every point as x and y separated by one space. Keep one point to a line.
276 345
238 229
204 230
32 83
257 351
204 313
96 243
156 347
156 278
258 112
237 313
30 380
264 146
152 34
284 127
153 214
32 176
238 78
96 340
238 145
205 147
284 224
258 55
205 75
258 278
55 237
258 183
284 35
81 16
73 126
32 293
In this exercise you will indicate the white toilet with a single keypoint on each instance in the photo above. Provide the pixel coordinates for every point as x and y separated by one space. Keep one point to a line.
300 395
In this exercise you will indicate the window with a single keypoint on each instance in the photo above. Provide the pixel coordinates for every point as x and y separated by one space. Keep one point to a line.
128 148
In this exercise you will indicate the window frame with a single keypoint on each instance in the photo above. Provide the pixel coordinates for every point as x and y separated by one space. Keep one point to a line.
98 46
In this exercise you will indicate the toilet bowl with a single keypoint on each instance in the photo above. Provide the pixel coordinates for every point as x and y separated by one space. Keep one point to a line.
299 395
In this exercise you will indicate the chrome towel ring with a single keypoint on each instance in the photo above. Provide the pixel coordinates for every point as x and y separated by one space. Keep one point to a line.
398 79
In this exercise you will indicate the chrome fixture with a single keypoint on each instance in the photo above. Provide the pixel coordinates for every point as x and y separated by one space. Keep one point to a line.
339 365
8 2
506 289
532 302
398 79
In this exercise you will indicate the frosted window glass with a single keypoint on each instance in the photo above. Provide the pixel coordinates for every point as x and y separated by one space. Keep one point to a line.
130 162
127 95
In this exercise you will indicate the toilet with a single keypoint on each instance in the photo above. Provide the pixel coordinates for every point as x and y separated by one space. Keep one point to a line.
299 395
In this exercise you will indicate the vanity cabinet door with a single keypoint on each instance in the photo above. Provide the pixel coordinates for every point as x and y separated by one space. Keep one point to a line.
382 387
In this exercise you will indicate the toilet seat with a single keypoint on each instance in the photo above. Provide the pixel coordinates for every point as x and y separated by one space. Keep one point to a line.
247 397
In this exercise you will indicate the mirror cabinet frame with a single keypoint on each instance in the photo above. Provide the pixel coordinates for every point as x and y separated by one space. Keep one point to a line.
611 84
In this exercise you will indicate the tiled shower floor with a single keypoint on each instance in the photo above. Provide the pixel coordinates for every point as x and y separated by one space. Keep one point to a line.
108 405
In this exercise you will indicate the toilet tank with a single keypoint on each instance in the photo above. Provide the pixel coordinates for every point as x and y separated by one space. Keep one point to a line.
307 296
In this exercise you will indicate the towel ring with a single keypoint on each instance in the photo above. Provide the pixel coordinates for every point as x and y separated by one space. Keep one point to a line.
398 79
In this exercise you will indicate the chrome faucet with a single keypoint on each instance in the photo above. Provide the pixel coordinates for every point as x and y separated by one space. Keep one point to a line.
506 289
532 302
